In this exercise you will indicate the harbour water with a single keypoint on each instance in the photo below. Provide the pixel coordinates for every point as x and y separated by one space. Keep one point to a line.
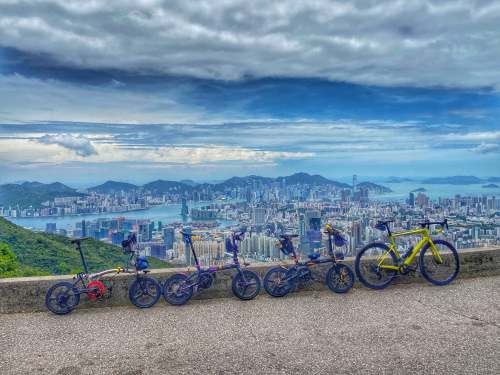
401 191
166 214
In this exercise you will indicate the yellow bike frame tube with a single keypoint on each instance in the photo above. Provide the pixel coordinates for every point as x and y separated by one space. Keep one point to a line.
416 249
435 252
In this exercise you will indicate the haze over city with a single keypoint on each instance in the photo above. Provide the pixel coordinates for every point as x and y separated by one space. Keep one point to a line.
405 89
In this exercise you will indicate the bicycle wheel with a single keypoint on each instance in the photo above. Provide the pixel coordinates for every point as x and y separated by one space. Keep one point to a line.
443 271
62 298
367 266
176 289
276 283
340 278
246 285
144 292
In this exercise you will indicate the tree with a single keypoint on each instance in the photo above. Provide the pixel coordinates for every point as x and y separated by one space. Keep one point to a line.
8 262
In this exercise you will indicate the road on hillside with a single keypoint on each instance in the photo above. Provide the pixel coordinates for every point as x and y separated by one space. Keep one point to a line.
404 329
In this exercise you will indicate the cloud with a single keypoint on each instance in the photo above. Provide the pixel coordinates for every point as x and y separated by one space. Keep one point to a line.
263 141
27 99
79 144
487 148
473 136
66 148
391 43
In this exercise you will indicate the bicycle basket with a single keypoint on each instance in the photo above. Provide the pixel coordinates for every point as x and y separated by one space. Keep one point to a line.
230 246
142 263
339 239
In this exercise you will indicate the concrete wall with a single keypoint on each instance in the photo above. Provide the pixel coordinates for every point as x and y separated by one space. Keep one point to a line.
27 294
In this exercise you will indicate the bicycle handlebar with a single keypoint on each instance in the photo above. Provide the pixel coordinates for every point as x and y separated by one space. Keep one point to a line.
427 223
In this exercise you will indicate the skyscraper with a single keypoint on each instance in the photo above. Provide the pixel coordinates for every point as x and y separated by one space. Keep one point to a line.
355 236
354 182
313 230
411 200
184 208
168 237
144 234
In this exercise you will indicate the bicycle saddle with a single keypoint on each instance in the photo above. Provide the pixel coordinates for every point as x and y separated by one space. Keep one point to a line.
383 224
75 240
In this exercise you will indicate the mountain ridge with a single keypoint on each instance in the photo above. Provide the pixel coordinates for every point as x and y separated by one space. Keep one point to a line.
14 194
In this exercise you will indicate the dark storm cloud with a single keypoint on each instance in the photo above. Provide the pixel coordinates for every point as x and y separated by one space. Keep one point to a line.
387 43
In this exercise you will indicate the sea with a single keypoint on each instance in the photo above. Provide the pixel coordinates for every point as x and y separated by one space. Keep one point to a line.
167 214
401 191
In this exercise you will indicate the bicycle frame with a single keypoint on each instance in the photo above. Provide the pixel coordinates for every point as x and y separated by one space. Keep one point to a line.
212 270
85 277
313 262
426 239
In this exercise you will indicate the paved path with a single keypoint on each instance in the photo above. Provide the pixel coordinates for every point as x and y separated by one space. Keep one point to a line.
402 330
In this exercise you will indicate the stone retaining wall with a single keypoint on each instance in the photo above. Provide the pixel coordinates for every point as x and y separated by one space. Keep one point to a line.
27 294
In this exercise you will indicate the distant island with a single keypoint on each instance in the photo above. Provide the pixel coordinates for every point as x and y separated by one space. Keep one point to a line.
398 180
419 190
488 186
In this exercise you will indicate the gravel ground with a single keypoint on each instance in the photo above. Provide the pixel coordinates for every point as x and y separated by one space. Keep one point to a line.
404 329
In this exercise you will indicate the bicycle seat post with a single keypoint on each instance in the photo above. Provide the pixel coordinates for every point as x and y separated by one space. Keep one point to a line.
82 256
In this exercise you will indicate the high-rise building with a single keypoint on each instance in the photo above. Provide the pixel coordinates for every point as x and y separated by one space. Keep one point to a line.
51 228
313 231
169 237
422 200
356 234
144 233
184 208
117 238
411 200
354 182
259 216
313 219
157 250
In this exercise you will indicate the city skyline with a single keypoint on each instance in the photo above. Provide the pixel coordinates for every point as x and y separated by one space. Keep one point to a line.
326 88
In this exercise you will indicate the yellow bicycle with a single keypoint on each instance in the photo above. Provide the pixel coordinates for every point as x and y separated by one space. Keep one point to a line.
377 264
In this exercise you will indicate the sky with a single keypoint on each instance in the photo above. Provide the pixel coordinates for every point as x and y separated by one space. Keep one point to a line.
142 90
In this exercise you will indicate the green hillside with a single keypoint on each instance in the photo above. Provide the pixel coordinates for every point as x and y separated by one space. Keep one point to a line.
33 193
40 253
